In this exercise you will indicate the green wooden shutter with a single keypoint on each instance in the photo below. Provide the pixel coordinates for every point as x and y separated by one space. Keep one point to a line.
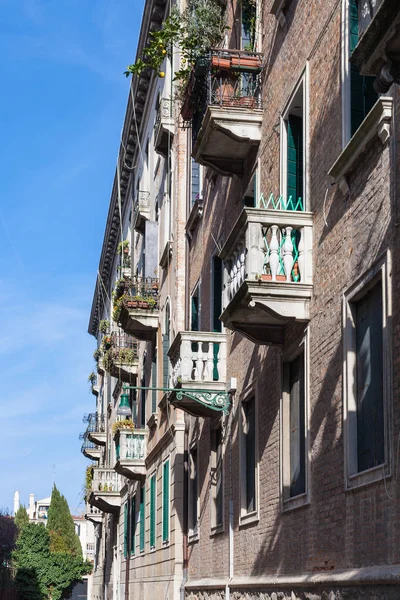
133 525
154 384
362 94
153 511
294 158
142 517
126 529
165 505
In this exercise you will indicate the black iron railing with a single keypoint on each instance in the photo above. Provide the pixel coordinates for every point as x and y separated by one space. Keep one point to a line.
143 291
87 445
225 78
95 423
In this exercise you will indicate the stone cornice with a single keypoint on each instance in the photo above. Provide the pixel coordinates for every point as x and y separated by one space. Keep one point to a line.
153 16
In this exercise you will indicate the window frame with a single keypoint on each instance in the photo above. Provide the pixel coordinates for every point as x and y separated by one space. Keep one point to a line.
302 82
249 517
132 531
166 505
153 512
302 346
381 271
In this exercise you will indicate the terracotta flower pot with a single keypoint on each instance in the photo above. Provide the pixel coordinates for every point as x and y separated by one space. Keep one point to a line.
220 63
246 63
268 277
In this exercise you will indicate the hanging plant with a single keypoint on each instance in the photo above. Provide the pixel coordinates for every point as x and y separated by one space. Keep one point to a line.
97 354
123 247
124 424
92 378
194 30
104 326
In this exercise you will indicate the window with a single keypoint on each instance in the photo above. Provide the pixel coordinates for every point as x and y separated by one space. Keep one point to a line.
293 149
143 403
217 490
195 309
248 25
216 291
358 94
142 514
126 529
367 378
165 502
294 423
153 512
193 493
196 185
248 459
133 525
250 197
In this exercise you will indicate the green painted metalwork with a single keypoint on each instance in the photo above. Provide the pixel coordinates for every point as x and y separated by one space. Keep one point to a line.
218 401
295 237
118 449
280 203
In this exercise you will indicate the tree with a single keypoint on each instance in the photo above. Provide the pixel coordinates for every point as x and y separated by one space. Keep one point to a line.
8 536
42 574
61 526
21 518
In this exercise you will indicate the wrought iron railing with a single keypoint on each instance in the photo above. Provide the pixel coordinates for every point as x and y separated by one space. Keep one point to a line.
366 12
225 78
87 445
142 292
95 422
121 340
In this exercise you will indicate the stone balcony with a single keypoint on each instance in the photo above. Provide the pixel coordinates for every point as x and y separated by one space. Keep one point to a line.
141 210
105 492
93 514
198 360
139 312
378 50
130 448
89 449
268 271
96 429
121 360
164 126
226 113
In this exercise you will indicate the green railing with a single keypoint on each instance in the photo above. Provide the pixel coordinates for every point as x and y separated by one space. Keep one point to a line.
279 203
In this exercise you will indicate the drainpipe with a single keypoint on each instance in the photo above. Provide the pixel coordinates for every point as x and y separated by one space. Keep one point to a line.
185 514
230 536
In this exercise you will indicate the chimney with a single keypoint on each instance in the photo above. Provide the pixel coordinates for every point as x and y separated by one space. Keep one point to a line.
31 506
16 502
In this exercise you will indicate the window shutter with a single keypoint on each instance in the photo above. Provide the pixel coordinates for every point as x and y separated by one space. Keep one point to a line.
133 525
363 95
297 427
165 508
142 517
153 511
195 191
154 384
165 343
295 158
125 529
195 313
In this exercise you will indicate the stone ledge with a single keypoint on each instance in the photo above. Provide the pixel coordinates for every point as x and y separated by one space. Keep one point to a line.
376 123
378 574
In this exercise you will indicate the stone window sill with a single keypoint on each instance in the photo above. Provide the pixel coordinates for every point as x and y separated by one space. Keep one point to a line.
376 124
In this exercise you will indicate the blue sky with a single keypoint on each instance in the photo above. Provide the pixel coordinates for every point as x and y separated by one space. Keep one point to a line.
62 102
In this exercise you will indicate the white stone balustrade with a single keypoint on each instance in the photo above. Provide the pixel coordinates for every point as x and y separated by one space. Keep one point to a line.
263 248
105 480
132 444
198 357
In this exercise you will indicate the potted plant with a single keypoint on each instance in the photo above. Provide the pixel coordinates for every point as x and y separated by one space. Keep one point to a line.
104 326
92 378
97 355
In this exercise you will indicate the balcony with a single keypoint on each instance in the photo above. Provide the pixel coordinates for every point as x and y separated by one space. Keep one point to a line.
268 270
121 359
164 127
93 514
141 211
105 490
198 361
139 308
96 429
130 447
89 449
224 103
378 50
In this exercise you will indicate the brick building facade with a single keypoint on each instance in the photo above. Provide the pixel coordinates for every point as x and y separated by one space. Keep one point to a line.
274 365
